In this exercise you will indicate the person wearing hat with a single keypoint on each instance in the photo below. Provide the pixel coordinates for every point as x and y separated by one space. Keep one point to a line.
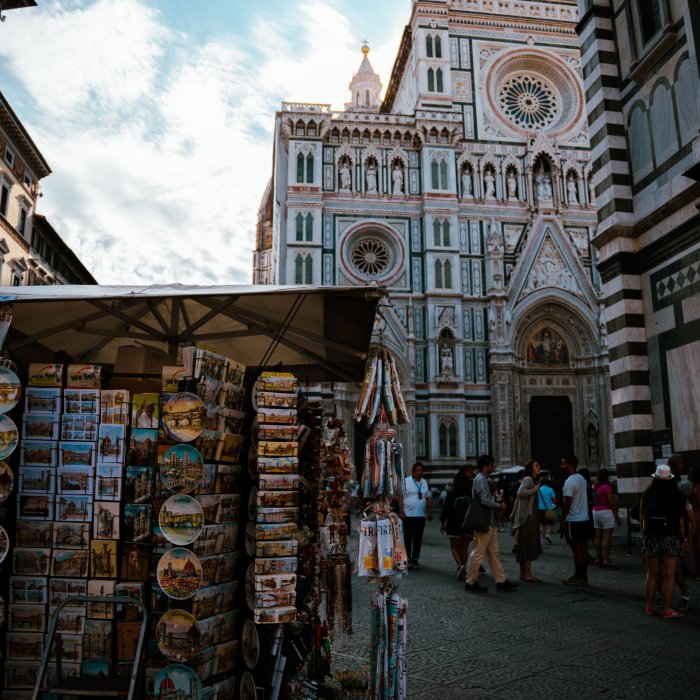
662 510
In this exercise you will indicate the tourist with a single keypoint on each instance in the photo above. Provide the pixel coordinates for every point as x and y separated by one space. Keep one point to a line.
486 543
661 513
605 517
526 521
452 516
575 520
546 505
694 544
414 508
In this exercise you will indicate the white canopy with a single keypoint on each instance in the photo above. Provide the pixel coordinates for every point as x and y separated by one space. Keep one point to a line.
320 333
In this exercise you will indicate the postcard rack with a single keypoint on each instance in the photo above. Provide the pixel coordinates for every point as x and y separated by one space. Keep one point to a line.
91 687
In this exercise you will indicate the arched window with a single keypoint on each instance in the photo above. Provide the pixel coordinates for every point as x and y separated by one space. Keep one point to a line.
650 16
308 270
438 77
448 274
442 432
443 175
300 167
448 440
431 80
685 91
309 168
663 124
300 227
639 142
309 227
298 269
429 46
438 274
434 176
446 233
438 48
436 232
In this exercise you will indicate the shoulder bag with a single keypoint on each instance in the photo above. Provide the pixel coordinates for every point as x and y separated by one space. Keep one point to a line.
477 518
549 514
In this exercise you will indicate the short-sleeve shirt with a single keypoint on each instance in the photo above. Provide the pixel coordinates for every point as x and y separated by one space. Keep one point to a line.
576 488
413 506
601 502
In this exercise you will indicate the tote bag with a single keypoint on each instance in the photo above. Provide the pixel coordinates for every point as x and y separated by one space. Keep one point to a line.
478 517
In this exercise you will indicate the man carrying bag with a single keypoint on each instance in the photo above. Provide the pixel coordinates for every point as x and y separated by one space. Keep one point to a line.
482 515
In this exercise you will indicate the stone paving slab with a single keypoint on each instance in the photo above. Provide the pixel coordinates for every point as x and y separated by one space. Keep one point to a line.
544 640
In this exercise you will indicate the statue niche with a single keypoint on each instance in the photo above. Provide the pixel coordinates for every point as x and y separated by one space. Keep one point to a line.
446 353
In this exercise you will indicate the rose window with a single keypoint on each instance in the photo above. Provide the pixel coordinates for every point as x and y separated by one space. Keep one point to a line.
370 257
529 102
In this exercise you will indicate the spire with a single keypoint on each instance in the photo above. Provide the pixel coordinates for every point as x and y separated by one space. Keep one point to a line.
365 86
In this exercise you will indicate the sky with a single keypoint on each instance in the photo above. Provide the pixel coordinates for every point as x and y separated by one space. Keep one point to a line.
157 116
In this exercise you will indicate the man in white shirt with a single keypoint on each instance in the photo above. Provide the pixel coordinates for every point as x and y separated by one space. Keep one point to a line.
576 522
414 508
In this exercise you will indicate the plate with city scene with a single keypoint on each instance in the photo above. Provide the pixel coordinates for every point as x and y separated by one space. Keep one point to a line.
10 389
250 644
9 436
4 544
183 416
178 635
177 681
181 519
182 469
179 573
7 481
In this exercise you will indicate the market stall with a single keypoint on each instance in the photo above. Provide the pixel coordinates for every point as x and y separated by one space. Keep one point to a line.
145 476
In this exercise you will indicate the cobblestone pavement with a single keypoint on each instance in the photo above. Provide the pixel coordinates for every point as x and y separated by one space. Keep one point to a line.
545 640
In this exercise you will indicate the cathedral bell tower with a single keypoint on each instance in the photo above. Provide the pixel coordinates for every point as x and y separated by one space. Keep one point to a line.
365 87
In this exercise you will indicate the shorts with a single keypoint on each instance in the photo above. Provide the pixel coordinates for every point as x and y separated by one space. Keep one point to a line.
603 519
580 531
661 546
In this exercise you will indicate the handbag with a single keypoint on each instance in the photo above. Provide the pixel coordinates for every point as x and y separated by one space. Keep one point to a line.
550 515
477 518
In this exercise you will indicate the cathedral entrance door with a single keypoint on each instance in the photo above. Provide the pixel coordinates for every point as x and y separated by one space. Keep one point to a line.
551 430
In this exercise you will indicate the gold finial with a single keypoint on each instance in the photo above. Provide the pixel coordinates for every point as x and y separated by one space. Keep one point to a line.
365 47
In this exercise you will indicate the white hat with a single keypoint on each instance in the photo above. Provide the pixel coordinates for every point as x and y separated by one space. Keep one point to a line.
663 471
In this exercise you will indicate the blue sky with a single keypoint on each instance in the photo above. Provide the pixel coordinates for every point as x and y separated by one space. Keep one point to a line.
156 117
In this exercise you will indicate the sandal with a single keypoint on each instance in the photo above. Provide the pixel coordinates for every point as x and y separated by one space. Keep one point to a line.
671 614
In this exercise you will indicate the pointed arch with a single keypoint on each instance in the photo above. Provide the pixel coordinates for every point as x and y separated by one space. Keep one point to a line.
300 227
438 47
431 80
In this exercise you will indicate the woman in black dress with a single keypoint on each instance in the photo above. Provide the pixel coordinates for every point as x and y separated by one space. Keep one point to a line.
452 516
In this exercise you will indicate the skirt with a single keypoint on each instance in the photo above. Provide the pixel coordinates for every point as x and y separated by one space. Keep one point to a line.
661 546
529 545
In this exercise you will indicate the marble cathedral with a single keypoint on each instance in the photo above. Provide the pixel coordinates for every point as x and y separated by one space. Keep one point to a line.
467 193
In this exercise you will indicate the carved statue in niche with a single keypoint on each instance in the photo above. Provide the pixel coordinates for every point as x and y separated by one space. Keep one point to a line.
397 179
572 189
489 184
543 185
494 246
446 361
592 446
512 186
371 178
591 191
467 183
345 176
547 348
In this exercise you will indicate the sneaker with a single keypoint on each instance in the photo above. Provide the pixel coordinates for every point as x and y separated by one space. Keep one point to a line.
574 581
649 611
671 614
506 586
475 588
684 601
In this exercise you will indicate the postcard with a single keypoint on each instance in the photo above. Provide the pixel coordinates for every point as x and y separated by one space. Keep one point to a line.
28 589
103 558
93 668
276 531
280 548
219 508
137 522
231 421
210 364
86 401
97 640
71 535
43 401
101 611
274 599
145 411
71 646
37 480
111 441
71 620
228 478
75 480
210 417
278 482
127 640
207 443
273 431
268 399
62 588
227 654
139 484
39 426
106 520
23 646
277 515
135 562
278 465
142 447
79 426
27 618
209 567
76 454
43 374
281 565
33 533
277 381
72 508
108 482
115 407
277 416
277 499
35 506
36 453
274 616
229 449
277 449
207 483
84 376
70 562
126 611
20 674
31 561
208 389
232 397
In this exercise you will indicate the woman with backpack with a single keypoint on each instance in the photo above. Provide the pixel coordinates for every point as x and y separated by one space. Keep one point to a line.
662 510
452 516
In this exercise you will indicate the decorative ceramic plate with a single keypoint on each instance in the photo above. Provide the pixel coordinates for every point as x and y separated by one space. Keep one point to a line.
183 416
246 689
178 681
181 519
250 539
9 436
181 469
179 573
2 611
250 644
253 462
250 586
252 503
178 635
7 481
4 543
10 389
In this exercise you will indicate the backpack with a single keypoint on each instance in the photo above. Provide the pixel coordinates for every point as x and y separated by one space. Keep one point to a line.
459 510
658 519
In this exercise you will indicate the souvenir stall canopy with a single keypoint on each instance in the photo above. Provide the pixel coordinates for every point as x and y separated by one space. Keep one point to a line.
318 333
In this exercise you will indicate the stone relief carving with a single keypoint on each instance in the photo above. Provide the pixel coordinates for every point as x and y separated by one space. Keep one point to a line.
550 270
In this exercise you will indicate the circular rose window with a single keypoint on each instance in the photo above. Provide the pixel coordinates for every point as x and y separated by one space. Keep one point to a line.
372 253
370 257
528 101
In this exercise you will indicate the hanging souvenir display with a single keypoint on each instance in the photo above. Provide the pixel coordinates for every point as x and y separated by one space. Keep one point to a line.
381 388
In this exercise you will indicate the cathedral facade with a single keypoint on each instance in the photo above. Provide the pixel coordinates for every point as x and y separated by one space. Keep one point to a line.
467 193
